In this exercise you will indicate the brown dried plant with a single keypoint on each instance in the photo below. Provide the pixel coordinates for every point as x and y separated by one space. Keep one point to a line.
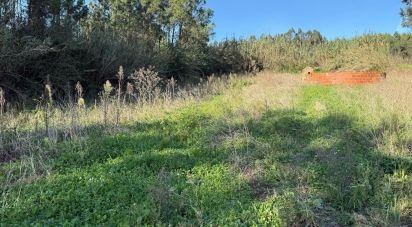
145 81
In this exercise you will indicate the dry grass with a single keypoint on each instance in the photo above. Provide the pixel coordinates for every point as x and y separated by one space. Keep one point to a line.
268 91
395 93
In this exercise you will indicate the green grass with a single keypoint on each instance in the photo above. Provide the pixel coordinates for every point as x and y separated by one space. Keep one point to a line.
314 163
406 66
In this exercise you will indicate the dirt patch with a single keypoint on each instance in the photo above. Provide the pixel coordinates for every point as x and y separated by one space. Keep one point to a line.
260 189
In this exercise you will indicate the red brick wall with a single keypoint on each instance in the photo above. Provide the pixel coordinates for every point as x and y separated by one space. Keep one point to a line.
344 78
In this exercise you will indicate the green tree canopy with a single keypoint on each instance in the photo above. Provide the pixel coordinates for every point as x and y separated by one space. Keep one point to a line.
406 13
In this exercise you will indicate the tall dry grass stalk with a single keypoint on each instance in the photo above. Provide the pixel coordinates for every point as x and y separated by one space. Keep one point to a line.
170 89
120 78
130 94
79 95
106 100
2 101
48 106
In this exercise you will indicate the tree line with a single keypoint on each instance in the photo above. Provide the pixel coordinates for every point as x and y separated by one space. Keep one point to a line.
68 41
63 42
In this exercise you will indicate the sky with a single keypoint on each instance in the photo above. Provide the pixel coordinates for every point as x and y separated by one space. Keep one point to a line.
333 18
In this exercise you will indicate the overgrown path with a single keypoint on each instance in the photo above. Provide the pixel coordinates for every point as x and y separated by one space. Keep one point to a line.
268 151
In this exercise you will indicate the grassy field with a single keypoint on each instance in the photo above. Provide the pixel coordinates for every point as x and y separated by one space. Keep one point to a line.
264 150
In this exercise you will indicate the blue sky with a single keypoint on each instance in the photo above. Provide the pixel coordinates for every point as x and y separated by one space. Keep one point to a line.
333 18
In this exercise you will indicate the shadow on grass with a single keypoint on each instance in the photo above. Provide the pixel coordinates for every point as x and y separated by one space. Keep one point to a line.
168 173
344 165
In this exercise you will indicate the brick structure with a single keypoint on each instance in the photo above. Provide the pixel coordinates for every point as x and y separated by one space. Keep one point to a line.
351 78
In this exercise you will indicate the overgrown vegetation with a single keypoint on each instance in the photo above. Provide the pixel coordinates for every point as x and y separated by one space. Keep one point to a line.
264 150
69 41
295 50
124 113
